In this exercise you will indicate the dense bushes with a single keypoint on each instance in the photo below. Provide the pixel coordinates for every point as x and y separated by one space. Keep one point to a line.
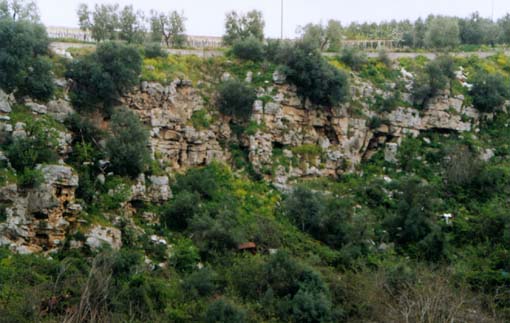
236 99
489 91
128 146
224 311
154 50
314 78
442 32
353 57
326 218
38 147
285 287
414 226
24 67
250 48
99 79
435 77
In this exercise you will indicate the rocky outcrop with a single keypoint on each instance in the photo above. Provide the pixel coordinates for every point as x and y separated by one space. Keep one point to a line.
294 139
5 105
38 219
168 110
100 236
155 189
59 109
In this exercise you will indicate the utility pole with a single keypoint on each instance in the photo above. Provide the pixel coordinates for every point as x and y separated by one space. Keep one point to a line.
282 22
492 10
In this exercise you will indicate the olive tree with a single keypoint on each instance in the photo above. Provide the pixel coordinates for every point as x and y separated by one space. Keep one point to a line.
24 65
128 146
324 37
489 92
442 32
236 99
102 22
19 10
313 76
132 25
169 27
239 26
99 79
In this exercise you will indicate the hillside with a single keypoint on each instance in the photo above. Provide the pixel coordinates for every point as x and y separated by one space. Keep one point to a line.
280 187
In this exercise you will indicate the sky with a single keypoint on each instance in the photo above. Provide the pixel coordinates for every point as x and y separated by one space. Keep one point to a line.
206 17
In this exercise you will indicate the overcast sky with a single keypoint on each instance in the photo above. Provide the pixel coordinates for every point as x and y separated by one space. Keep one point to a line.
205 17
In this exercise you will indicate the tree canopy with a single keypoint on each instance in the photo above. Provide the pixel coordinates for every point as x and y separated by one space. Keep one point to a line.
24 64
241 26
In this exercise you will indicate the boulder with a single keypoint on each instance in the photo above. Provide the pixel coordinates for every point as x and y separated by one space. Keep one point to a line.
99 236
390 152
249 77
59 109
5 106
37 108
226 77
60 175
279 77
159 189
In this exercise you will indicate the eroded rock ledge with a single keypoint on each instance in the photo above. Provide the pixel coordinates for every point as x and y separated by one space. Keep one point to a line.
293 139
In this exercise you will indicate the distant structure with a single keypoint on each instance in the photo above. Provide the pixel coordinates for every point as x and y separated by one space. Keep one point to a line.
80 35
212 42
69 33
204 42
368 44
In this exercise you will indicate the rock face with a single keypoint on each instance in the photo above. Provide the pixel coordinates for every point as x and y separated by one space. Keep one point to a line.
168 110
59 109
99 236
38 219
5 105
293 139
156 189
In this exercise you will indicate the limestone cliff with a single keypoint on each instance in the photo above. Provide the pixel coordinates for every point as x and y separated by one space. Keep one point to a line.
293 139
288 139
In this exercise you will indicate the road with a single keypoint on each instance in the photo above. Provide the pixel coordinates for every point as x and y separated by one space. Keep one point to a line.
60 46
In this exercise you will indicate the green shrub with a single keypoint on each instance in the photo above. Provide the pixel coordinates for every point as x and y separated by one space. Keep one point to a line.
310 307
84 128
154 50
116 192
327 219
384 58
178 212
102 77
128 146
201 119
207 182
24 65
313 76
442 32
489 92
374 122
436 76
30 178
353 57
304 208
461 166
185 256
222 311
218 232
250 48
236 99
414 226
38 147
201 283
